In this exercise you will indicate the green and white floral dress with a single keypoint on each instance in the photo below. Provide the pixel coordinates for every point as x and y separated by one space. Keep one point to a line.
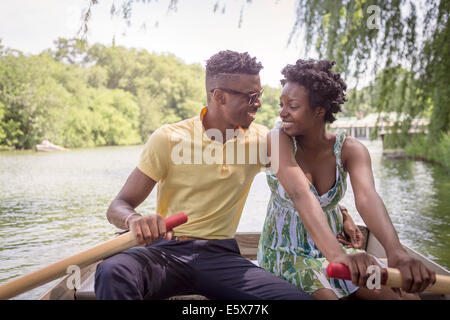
285 248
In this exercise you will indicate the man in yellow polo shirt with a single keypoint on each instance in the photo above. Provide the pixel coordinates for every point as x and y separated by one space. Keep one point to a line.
203 166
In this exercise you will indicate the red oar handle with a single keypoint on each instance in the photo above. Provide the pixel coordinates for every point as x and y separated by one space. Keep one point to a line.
338 271
175 220
341 271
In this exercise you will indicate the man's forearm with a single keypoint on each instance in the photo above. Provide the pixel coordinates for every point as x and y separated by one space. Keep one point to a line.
118 212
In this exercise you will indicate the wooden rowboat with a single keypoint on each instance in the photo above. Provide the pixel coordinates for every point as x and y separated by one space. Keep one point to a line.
248 244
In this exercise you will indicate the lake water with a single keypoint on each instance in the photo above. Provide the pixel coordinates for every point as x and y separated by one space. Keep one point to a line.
53 205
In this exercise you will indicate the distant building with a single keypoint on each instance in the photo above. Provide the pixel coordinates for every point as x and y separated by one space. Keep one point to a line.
382 122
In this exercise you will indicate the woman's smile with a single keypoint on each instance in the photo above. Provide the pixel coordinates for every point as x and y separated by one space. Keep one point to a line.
287 124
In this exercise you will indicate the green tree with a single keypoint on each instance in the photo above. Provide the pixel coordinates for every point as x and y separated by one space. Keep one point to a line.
268 112
79 95
92 95
403 38
71 51
24 94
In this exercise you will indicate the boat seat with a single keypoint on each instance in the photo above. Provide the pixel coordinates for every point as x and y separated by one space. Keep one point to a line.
87 292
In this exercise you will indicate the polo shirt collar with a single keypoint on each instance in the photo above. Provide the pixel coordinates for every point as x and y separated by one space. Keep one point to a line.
202 115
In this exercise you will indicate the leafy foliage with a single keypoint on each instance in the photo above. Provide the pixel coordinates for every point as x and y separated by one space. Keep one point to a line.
437 151
407 50
270 101
81 95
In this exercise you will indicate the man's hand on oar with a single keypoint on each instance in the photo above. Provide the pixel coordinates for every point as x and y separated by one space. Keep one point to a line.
148 228
85 258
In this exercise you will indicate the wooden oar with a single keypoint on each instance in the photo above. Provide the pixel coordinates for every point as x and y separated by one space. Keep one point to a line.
390 277
82 259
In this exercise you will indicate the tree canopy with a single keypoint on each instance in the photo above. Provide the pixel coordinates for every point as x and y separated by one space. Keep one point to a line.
81 95
403 44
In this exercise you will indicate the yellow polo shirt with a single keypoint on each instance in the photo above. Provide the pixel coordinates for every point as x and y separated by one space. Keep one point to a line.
207 179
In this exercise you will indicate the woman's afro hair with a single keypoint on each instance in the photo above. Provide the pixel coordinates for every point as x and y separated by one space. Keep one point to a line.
325 87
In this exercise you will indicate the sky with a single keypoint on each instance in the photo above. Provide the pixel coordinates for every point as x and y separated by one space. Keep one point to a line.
193 32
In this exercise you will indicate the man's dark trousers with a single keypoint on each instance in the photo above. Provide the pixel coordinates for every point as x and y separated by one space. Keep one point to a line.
212 268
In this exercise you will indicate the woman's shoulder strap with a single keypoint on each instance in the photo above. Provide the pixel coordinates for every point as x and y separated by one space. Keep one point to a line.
340 138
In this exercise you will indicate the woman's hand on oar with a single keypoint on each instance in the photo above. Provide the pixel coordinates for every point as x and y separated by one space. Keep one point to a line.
416 277
390 277
357 265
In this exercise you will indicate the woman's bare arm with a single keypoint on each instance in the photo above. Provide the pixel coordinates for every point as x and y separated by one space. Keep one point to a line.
296 184
368 203
356 158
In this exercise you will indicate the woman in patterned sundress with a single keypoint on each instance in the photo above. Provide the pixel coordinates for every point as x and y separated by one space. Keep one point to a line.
311 94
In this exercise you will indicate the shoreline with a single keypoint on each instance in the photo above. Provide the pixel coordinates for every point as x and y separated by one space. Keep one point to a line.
401 154
33 150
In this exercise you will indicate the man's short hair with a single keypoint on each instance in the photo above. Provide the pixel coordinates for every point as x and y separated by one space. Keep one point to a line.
232 62
226 63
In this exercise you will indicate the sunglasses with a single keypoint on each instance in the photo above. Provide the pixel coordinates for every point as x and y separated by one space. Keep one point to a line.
253 96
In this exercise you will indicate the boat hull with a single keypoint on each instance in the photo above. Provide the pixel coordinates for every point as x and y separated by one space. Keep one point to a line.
46 148
248 245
